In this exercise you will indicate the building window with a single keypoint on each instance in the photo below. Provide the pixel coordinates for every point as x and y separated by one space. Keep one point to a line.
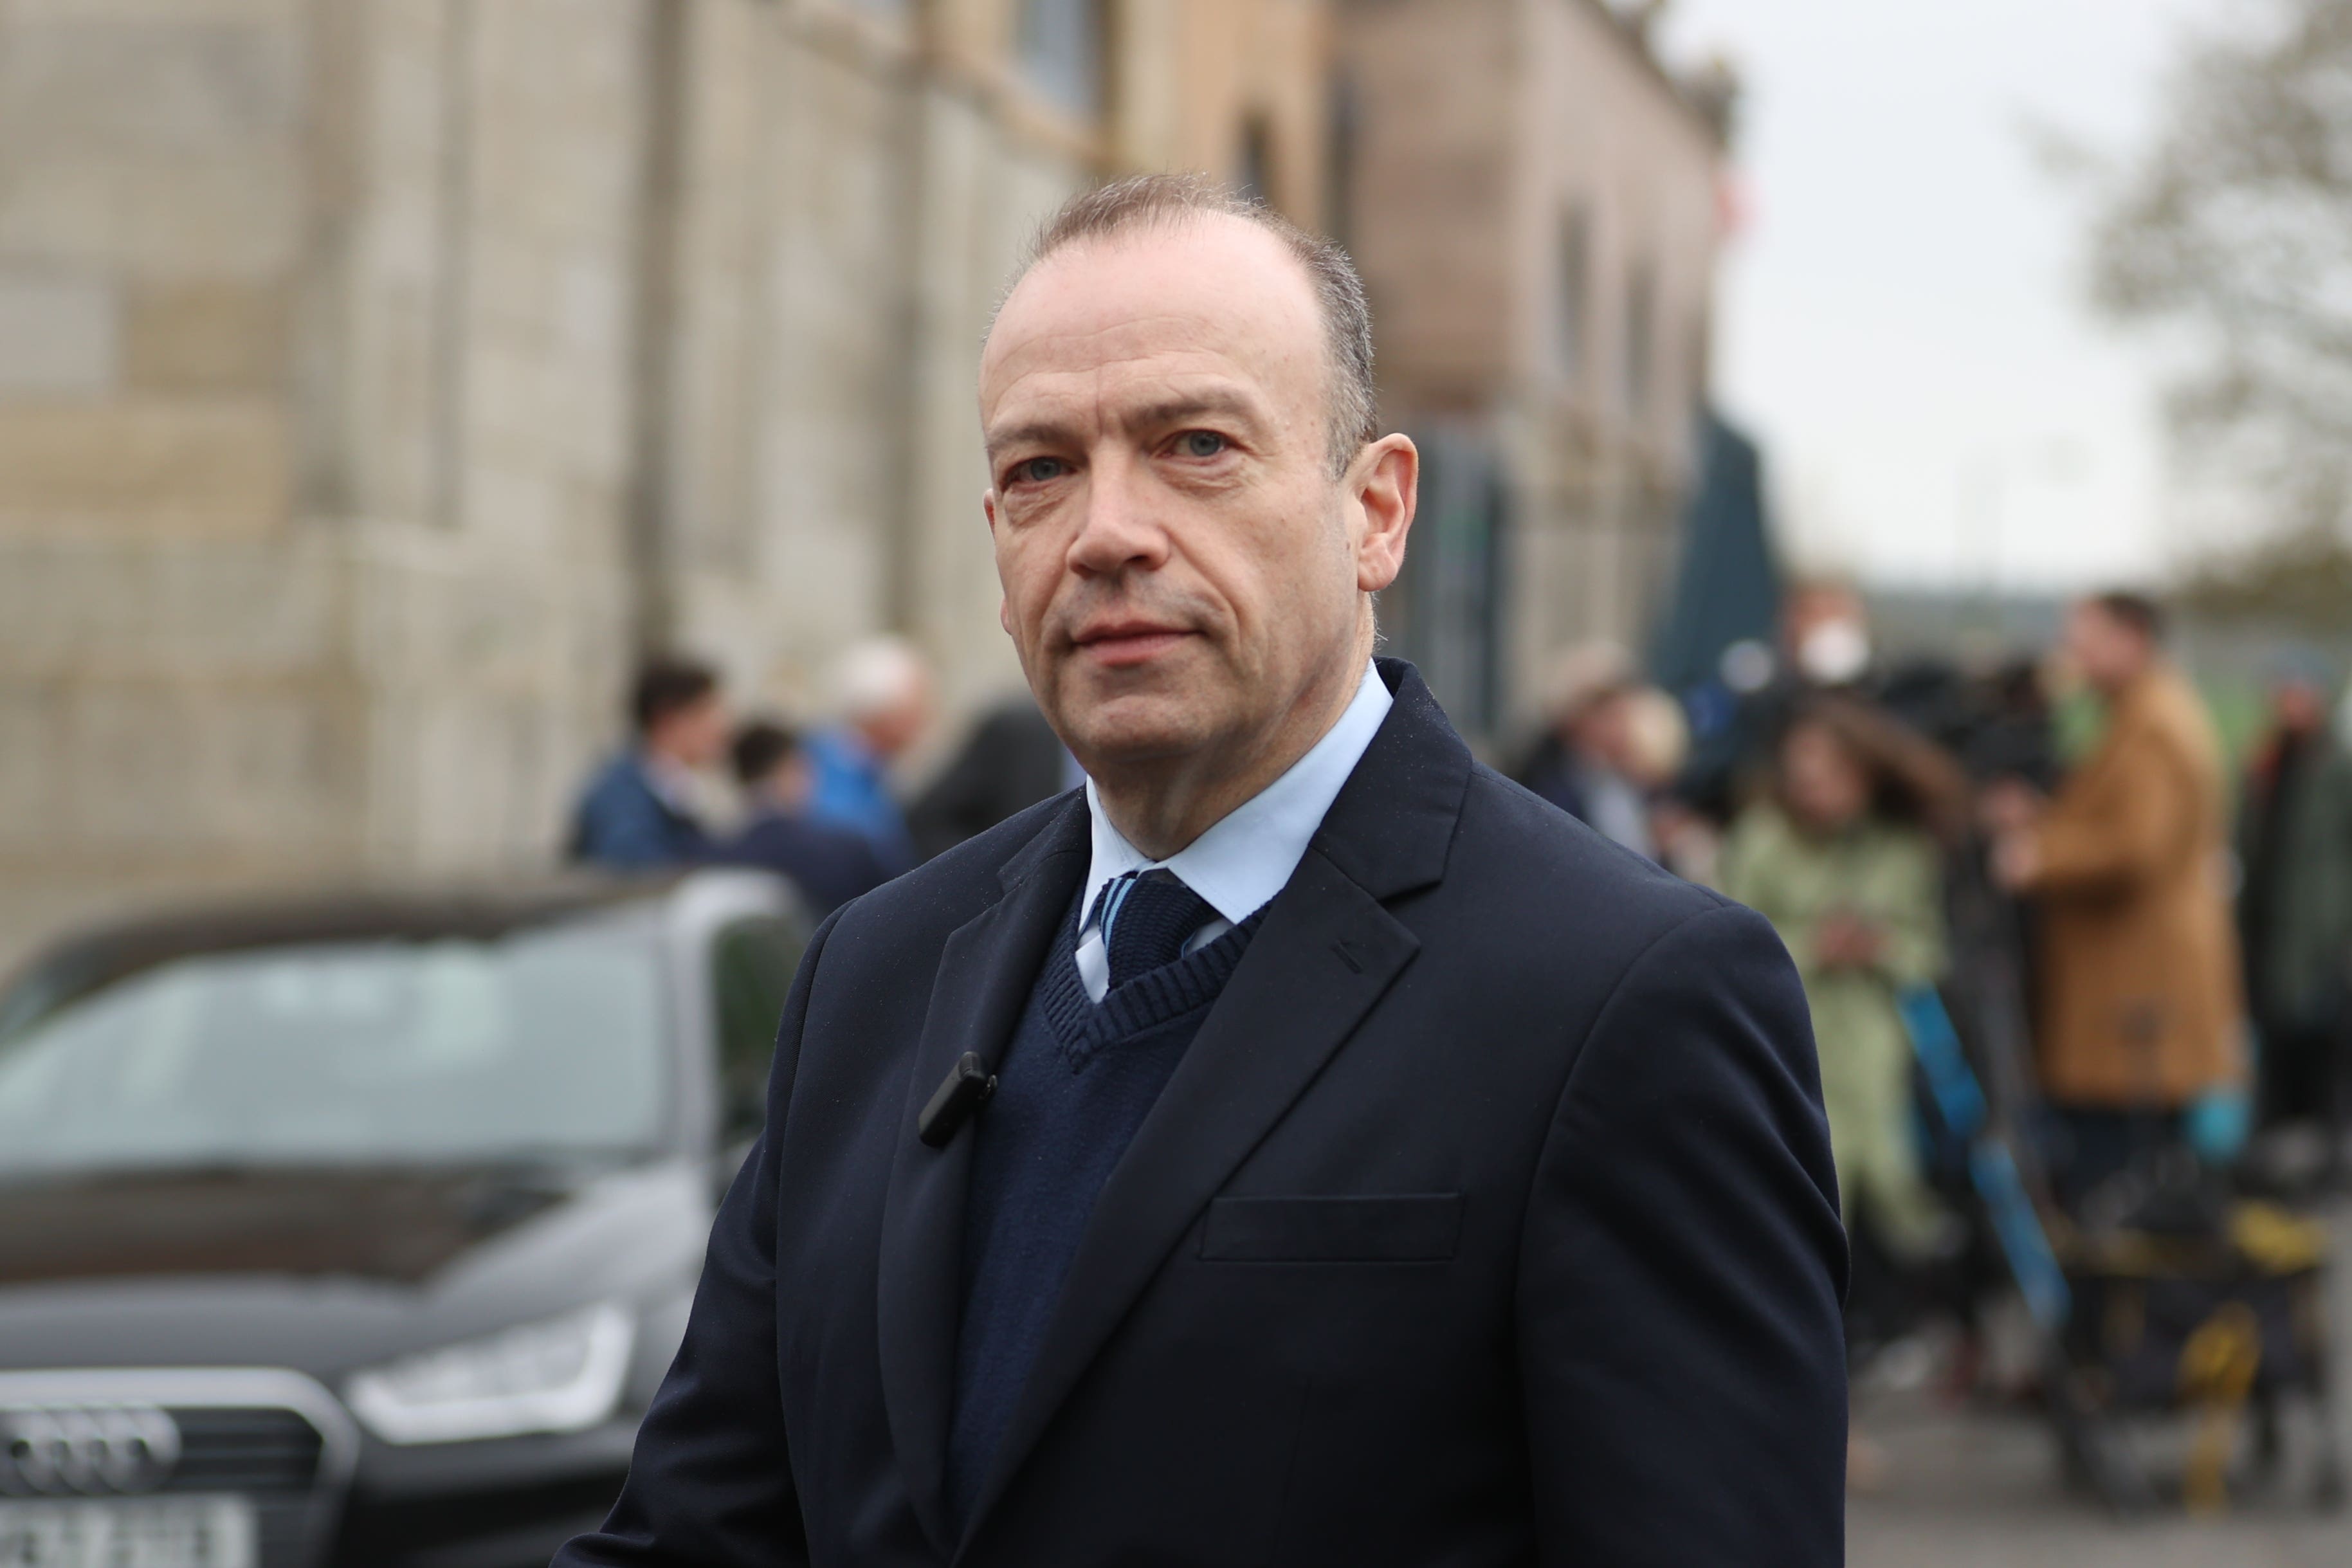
1575 297
1256 180
1641 340
1700 366
1061 45
1339 168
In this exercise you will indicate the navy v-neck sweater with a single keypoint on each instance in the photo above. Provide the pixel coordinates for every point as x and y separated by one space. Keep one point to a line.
1076 1081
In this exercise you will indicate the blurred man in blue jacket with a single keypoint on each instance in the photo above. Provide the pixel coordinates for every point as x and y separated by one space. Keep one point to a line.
882 695
639 812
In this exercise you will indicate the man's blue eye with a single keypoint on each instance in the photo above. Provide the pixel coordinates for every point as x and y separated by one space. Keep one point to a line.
1037 471
1202 443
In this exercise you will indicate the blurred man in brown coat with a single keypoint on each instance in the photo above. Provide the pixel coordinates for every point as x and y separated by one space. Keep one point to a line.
2141 1009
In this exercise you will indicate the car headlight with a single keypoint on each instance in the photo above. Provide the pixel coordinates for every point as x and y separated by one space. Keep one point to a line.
561 1375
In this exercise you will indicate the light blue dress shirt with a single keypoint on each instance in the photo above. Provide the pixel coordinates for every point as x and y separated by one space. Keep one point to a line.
1246 856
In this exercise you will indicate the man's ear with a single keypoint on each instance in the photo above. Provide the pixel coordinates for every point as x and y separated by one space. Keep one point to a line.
1003 602
1385 480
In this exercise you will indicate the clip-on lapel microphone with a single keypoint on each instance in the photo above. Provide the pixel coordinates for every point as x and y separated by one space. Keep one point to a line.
959 1095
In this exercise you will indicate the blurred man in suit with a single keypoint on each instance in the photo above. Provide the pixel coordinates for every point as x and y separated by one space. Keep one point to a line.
1379 1167
830 866
638 813
1010 761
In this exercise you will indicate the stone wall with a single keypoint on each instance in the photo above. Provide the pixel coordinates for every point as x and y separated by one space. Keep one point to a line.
175 708
377 377
1490 138
1607 145
484 479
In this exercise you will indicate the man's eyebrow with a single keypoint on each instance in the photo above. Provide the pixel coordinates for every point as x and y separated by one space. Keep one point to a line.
1177 410
1028 433
1150 416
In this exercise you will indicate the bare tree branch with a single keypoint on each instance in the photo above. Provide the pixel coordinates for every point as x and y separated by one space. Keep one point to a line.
2237 225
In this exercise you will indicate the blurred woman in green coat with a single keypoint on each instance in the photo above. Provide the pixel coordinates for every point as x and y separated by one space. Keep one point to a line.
1843 859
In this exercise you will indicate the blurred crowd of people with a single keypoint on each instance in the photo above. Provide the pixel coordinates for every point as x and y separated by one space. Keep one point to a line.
822 808
2178 983
2173 946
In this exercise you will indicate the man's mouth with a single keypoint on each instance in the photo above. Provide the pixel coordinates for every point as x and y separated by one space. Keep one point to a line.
1120 645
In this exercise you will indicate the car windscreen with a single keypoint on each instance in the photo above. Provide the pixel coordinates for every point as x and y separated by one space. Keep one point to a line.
547 1042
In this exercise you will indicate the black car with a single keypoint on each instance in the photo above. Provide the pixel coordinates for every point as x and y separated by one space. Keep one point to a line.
360 1231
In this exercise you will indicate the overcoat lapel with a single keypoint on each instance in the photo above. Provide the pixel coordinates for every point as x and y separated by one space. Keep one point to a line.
986 971
1323 958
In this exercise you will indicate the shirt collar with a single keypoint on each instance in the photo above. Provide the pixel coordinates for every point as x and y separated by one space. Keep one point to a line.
1247 855
673 784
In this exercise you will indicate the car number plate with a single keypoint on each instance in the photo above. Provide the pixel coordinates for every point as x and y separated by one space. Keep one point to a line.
128 1533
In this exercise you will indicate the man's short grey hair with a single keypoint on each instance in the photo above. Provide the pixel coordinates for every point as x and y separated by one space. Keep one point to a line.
1147 201
873 675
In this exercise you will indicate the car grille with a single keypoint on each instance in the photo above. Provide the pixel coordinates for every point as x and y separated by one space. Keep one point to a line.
272 1437
269 1455
259 1451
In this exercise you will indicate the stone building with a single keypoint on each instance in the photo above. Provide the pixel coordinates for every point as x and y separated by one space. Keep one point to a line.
377 375
1534 203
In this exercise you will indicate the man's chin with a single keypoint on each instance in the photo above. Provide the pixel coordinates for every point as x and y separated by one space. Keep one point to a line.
1132 730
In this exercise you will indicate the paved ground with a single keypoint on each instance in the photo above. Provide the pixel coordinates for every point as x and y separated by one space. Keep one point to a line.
1974 1489
1979 1490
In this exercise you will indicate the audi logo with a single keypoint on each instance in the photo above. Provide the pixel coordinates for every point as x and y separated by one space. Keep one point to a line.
89 1449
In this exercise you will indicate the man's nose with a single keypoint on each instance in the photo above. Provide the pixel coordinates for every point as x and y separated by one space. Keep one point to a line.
1119 530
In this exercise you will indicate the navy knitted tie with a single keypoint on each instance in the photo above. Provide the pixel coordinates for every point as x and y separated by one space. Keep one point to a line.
1149 918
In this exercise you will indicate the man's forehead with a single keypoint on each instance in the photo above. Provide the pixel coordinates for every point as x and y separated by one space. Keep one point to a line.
1202 298
1120 390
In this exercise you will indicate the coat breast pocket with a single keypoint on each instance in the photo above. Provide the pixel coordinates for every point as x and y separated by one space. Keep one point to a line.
1402 1228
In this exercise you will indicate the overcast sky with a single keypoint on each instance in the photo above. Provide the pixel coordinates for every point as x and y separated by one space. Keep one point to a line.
1904 324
